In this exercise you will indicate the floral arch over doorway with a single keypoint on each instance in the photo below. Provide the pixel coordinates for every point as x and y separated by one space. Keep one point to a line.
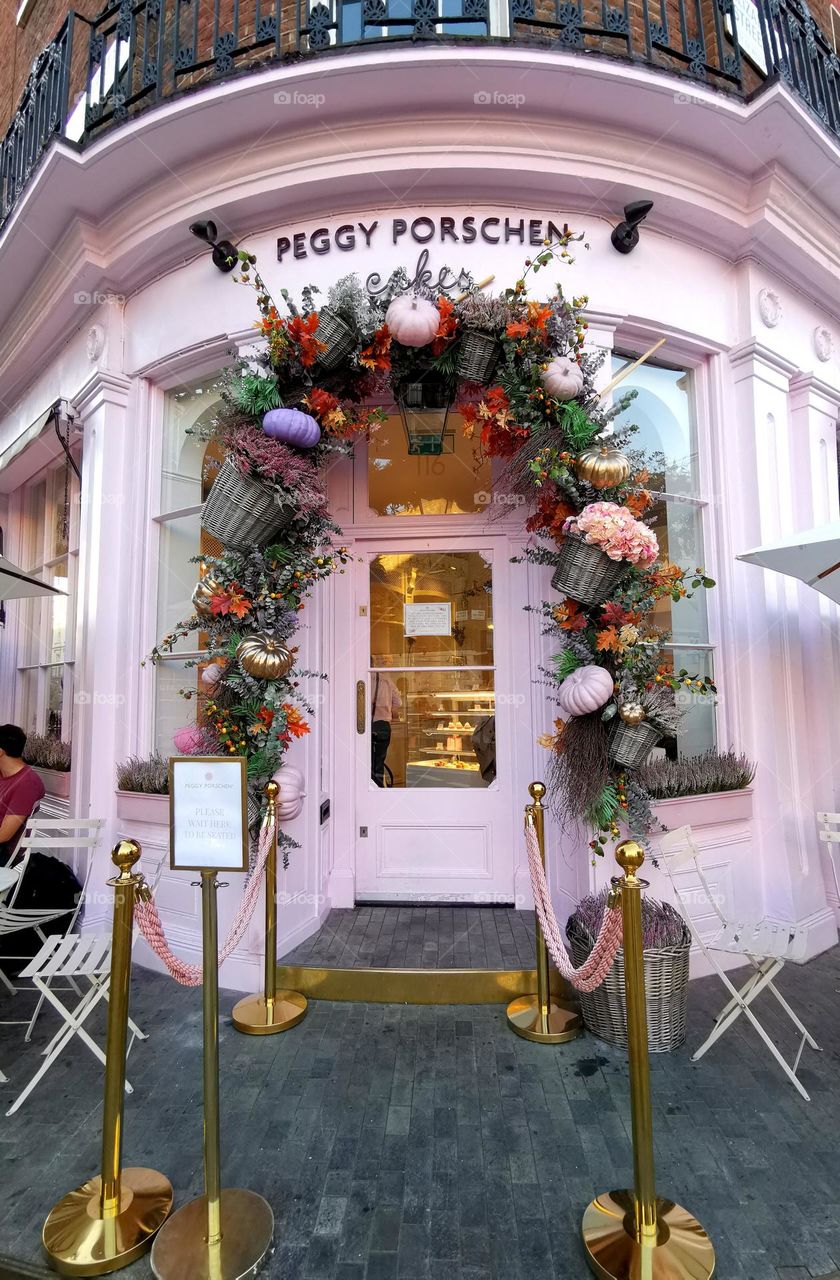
518 374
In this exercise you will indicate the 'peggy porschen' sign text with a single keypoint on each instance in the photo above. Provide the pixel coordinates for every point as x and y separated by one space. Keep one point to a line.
423 230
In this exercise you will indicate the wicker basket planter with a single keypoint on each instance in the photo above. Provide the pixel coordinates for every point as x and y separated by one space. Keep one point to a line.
478 356
631 744
604 1010
585 573
338 336
240 511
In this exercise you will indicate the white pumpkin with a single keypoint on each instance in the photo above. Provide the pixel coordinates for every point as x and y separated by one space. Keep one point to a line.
413 322
585 690
211 674
292 792
563 379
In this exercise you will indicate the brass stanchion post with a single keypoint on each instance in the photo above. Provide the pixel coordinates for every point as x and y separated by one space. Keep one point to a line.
542 1017
633 1233
111 1220
224 1234
262 1015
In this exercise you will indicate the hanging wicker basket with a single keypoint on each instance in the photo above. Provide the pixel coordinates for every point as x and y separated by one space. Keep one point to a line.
241 512
478 356
631 744
585 573
604 1010
339 338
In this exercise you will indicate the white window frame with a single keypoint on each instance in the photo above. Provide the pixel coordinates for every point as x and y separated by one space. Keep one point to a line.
37 558
700 503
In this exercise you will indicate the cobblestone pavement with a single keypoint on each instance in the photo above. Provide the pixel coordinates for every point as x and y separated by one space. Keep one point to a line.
414 1142
421 938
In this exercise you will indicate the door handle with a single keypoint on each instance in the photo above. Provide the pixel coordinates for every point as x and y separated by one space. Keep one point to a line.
361 705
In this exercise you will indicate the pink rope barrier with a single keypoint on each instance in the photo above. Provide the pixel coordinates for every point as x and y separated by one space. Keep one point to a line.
599 962
149 922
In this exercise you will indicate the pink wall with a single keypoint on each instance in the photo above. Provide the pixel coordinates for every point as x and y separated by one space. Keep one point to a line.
737 268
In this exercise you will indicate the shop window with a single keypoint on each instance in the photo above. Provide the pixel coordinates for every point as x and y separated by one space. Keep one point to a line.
432 675
189 466
663 410
49 550
457 481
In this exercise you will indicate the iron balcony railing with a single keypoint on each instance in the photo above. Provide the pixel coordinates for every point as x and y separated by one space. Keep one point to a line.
98 72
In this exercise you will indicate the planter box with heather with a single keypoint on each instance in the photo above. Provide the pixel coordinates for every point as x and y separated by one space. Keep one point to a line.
134 806
56 781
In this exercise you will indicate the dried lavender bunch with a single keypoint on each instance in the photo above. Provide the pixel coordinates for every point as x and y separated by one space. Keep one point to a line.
579 768
47 752
662 924
147 774
484 313
700 775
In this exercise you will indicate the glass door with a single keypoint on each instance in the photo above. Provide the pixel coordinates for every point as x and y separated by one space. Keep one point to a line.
430 786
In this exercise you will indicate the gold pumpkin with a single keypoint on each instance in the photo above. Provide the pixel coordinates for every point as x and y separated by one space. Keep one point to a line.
205 588
632 712
264 657
602 467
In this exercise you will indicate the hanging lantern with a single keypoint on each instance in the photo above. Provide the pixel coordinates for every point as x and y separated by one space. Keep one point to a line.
264 657
424 409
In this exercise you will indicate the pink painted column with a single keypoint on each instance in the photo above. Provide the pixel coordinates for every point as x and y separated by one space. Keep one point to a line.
767 464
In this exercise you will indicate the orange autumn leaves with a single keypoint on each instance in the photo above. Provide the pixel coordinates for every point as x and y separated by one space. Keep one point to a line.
500 436
616 629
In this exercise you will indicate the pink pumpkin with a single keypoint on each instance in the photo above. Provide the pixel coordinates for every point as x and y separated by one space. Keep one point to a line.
563 379
585 691
292 426
211 674
412 322
292 791
189 741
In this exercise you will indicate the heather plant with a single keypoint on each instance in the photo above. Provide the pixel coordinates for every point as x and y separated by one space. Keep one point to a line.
45 751
700 775
146 774
662 924
484 313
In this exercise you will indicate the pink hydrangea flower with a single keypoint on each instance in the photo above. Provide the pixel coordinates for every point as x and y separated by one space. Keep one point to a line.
616 532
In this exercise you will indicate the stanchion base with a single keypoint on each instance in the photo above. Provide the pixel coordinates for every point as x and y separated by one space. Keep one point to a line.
562 1023
682 1251
78 1242
181 1251
252 1017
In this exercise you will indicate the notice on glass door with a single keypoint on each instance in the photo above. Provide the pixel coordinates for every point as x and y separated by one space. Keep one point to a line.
433 619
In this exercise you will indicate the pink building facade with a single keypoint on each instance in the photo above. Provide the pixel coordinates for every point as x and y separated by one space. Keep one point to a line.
363 163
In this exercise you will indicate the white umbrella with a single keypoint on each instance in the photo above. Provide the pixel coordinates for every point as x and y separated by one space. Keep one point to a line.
15 584
813 557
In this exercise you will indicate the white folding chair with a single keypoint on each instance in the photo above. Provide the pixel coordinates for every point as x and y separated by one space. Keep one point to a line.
76 958
78 838
764 945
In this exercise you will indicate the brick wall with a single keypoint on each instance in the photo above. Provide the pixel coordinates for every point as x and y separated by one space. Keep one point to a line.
20 45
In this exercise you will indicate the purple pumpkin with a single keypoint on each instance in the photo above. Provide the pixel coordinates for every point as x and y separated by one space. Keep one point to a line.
292 427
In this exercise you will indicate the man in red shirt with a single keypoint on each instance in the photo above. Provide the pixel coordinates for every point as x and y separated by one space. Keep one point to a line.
20 789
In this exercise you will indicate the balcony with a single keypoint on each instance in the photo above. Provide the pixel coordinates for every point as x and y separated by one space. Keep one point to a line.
98 73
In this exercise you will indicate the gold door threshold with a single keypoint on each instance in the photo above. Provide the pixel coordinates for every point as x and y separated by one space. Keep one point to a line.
414 986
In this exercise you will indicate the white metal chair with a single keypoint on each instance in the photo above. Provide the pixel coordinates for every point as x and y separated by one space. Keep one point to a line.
764 945
75 957
79 837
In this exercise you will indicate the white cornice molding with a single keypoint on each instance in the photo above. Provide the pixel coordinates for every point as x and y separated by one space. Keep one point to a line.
102 387
812 389
753 356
